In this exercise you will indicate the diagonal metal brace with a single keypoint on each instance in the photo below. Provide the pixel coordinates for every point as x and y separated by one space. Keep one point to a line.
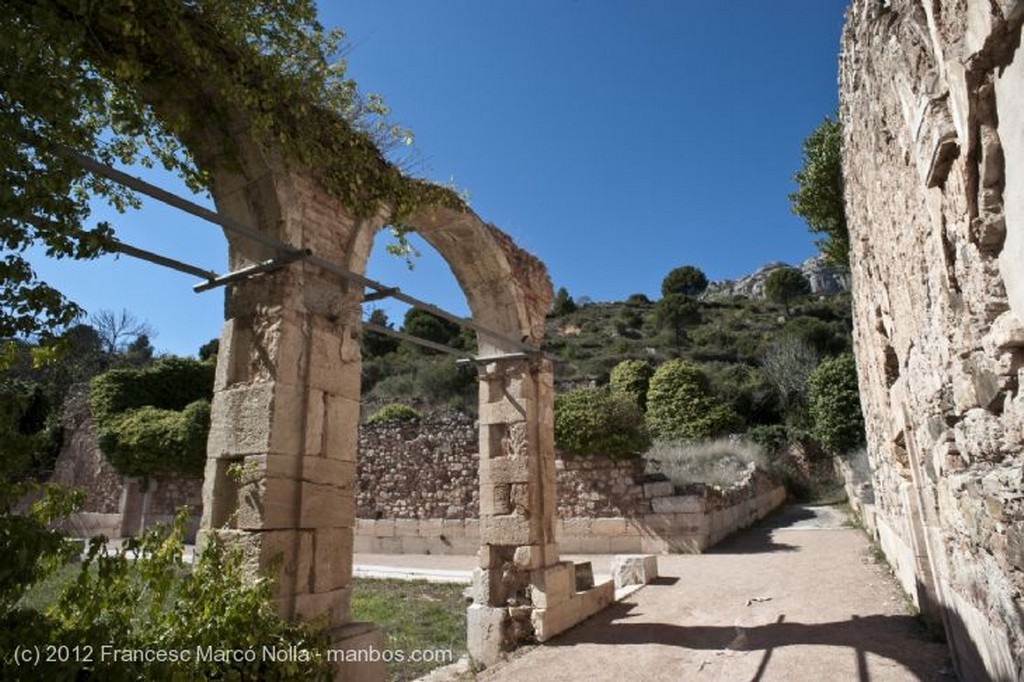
381 294
253 270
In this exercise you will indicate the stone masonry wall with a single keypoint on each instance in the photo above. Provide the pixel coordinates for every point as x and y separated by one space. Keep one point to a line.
418 494
932 107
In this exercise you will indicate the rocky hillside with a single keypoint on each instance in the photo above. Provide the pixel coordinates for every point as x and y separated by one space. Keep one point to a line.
822 278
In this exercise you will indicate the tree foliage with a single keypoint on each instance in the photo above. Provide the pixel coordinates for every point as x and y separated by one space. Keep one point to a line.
681 406
428 326
785 284
596 421
818 198
631 378
169 84
686 280
155 419
562 304
676 312
833 400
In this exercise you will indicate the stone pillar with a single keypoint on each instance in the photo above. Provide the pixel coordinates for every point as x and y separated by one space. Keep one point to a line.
517 505
281 460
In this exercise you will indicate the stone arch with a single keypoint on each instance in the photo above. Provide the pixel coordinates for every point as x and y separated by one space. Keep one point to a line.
280 473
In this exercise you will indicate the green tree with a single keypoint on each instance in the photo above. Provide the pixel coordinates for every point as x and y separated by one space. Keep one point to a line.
819 195
596 421
833 400
377 345
562 304
785 284
686 280
151 83
677 312
681 406
428 326
209 350
631 378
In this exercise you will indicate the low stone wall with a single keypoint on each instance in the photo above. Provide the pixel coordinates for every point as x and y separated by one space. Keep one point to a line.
663 522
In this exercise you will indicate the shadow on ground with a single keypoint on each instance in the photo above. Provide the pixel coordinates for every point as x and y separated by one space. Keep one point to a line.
885 636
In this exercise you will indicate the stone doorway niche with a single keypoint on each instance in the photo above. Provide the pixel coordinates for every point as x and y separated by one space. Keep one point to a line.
280 472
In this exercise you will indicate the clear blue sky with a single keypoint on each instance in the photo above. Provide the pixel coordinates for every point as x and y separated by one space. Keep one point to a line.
615 140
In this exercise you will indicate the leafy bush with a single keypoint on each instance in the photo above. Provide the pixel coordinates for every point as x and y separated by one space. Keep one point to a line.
824 338
631 378
720 462
680 405
393 412
155 419
169 384
771 438
562 303
833 401
591 421
150 440
142 597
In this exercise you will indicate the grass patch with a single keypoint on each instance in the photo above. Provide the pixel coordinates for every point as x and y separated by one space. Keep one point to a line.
45 593
416 616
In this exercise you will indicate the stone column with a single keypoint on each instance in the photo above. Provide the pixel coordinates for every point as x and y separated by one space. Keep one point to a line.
282 449
517 506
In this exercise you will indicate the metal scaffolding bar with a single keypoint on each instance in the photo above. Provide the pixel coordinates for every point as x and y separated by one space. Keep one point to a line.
381 329
166 197
142 254
250 271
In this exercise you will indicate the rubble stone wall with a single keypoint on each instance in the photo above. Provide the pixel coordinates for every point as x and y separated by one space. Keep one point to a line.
932 107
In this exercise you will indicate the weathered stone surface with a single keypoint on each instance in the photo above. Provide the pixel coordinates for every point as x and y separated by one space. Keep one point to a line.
933 136
635 569
485 632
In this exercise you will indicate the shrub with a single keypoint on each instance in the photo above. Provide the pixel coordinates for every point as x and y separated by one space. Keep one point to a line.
680 405
169 384
720 462
156 419
833 401
150 440
769 437
142 597
592 421
393 412
631 378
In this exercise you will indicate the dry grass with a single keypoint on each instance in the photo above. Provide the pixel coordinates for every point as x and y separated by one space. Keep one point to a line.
720 462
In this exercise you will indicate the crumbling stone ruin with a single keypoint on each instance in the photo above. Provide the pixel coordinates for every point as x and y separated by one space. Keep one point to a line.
932 107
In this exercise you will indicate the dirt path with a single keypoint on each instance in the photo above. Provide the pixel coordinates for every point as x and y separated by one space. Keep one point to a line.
798 598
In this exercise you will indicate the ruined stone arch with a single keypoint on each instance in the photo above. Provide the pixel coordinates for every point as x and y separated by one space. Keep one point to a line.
280 473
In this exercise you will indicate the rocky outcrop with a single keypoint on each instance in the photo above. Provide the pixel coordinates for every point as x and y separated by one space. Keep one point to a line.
932 107
822 278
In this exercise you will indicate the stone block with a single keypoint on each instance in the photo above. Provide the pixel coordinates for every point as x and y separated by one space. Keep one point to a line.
267 503
596 598
332 558
240 421
659 489
608 527
485 632
528 557
552 585
652 544
678 504
548 622
341 428
624 543
510 529
502 412
634 569
348 643
327 506
505 470
334 606
592 544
